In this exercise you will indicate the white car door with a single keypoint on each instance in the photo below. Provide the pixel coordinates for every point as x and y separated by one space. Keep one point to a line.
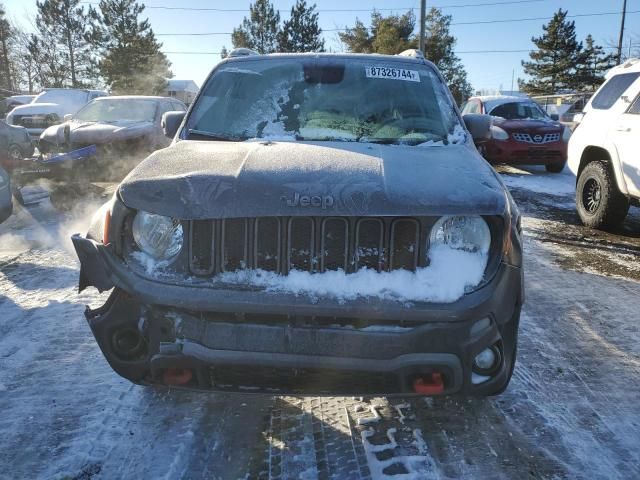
625 135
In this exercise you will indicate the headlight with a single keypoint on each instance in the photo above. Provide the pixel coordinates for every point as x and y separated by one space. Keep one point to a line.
566 134
498 133
158 236
468 233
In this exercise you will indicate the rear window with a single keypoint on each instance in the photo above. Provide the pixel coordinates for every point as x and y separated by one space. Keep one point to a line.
613 90
519 111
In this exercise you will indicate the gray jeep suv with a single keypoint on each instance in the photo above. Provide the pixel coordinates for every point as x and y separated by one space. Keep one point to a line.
321 224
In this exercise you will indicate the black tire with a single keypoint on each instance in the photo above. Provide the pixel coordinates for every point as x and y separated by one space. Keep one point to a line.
599 202
555 167
15 153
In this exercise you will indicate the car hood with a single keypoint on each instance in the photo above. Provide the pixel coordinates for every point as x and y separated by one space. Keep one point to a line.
39 109
548 126
209 179
96 132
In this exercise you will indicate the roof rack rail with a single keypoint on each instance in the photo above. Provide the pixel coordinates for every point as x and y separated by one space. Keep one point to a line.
242 52
412 52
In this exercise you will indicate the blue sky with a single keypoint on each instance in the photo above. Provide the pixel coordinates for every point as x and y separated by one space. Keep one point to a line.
486 70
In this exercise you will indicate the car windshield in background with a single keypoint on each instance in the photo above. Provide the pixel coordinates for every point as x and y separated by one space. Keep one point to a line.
338 100
519 111
119 110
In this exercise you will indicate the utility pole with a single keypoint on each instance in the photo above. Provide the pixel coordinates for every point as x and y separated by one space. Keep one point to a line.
513 74
423 12
624 14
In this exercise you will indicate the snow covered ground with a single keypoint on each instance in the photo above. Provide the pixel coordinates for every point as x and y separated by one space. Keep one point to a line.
571 411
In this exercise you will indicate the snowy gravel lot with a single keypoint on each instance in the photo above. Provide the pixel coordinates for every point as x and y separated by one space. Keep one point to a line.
571 411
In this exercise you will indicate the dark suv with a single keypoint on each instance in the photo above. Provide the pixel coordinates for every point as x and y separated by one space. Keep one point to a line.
322 224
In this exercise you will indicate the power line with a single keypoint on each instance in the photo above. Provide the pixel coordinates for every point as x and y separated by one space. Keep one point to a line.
477 22
457 51
333 10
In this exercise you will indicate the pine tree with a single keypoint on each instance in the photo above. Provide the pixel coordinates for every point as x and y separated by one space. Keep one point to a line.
66 25
394 33
130 58
554 63
260 31
7 34
51 71
26 69
301 32
593 65
439 45
224 53
389 35
357 39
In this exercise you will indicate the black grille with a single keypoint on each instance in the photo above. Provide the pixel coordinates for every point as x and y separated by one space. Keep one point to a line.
536 154
36 121
314 244
303 380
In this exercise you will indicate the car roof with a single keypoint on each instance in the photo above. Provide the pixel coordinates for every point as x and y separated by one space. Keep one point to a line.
133 97
493 101
377 57
632 65
71 90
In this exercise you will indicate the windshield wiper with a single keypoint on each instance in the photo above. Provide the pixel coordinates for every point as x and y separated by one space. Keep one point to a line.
215 136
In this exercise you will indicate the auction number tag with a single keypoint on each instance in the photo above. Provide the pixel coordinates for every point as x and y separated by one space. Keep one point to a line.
392 73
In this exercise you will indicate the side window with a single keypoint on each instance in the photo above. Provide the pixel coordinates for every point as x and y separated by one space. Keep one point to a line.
613 90
635 106
178 107
471 106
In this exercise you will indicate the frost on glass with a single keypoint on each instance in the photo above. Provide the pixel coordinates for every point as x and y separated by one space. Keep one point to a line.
294 99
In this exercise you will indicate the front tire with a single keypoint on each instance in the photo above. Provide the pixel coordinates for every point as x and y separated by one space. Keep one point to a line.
15 153
599 202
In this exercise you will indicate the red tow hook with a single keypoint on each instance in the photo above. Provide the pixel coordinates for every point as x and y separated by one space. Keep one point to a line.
431 386
177 376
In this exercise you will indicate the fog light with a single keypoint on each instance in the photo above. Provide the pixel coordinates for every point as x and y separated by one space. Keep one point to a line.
487 361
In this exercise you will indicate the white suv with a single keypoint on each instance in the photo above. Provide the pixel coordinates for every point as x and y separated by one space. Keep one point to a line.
50 107
603 150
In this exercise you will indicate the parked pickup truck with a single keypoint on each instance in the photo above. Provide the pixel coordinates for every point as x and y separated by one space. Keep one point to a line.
50 107
603 150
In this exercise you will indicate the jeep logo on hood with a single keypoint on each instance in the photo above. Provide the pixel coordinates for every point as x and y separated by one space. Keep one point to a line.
322 201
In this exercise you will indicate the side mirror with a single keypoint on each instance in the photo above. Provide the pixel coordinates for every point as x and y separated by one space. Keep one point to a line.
555 117
577 118
67 117
171 122
479 126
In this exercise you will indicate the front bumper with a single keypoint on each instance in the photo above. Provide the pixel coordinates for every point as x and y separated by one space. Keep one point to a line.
520 153
254 341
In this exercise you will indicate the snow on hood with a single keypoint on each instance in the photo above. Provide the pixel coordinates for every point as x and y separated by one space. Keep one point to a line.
97 132
207 179
40 109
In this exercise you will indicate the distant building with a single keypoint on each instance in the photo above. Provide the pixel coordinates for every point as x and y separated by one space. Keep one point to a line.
492 91
184 90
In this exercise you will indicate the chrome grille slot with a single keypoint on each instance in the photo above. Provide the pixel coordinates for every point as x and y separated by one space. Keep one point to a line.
404 244
369 243
267 243
301 243
334 244
202 247
234 244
